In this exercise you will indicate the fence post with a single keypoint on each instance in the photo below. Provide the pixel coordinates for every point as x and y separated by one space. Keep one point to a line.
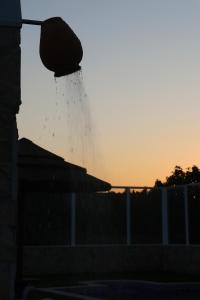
73 219
128 216
187 238
165 237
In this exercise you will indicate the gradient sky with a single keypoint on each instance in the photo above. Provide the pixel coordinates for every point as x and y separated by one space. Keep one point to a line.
141 71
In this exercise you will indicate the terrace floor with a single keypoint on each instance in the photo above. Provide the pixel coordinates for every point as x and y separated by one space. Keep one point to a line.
139 287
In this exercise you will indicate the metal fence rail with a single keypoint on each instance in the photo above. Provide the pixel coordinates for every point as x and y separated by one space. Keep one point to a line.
129 229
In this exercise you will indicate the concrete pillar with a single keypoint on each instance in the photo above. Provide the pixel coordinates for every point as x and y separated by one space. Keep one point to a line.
9 105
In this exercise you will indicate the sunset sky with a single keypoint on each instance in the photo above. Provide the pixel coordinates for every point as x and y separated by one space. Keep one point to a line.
141 72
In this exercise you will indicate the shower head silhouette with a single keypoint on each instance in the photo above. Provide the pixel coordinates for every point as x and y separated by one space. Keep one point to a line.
60 49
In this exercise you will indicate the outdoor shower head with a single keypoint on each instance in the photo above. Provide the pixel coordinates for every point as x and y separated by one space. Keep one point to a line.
60 48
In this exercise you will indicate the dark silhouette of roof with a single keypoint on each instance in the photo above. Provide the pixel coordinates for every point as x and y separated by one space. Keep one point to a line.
41 170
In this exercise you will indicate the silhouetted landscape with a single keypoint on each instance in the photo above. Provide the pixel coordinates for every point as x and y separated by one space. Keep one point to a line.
101 217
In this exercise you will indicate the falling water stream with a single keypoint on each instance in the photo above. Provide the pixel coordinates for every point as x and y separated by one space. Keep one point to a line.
70 125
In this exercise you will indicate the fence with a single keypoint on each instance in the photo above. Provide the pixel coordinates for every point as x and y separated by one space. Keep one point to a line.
129 228
115 218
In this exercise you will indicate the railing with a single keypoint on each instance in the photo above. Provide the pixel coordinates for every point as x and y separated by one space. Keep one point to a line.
164 212
128 207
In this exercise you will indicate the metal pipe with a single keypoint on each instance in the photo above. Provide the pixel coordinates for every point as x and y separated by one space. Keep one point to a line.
185 193
128 217
73 219
155 188
132 187
165 237
31 22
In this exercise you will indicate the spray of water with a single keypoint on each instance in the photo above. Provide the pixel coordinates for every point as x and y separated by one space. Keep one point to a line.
70 126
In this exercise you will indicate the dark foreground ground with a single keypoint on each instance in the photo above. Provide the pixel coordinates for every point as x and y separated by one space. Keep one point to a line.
70 280
118 287
140 290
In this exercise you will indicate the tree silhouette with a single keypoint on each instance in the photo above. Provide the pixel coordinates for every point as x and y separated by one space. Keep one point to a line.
179 177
